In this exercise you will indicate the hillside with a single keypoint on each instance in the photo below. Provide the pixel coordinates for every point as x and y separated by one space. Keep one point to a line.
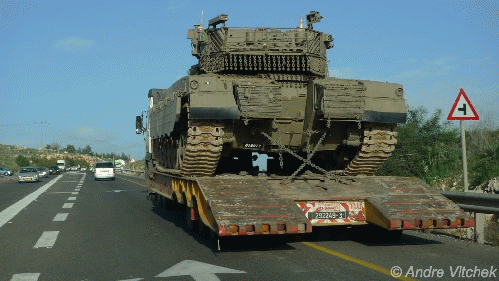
47 157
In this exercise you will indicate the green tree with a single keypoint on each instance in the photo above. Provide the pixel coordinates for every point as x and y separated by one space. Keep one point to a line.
87 150
22 161
70 148
426 148
483 150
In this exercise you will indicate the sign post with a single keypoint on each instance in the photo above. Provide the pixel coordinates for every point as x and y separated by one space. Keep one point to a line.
462 110
465 160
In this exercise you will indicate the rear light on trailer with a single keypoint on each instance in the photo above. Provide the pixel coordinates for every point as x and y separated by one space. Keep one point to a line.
265 228
114 171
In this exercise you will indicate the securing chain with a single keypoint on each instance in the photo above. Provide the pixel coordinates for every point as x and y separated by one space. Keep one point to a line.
281 162
328 174
309 137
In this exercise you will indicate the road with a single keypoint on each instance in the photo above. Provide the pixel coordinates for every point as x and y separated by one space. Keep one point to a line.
81 229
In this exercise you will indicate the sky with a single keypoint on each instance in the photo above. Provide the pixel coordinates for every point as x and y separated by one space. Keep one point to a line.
78 72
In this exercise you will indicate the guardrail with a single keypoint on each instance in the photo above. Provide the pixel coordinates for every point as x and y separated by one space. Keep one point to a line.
140 172
474 202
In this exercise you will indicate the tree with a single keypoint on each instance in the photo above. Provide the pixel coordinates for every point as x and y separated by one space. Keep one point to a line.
70 148
48 146
55 146
22 161
427 148
124 156
87 150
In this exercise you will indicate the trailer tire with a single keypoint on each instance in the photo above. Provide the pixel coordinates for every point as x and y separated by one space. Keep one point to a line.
377 234
190 225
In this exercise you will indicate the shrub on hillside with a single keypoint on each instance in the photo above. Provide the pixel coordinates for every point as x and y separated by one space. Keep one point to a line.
22 161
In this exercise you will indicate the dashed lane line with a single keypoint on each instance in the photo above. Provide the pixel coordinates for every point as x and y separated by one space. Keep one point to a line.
72 198
25 277
47 240
60 217
67 205
9 213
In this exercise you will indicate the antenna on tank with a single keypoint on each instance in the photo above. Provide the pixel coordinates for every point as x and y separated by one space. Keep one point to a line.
301 22
202 26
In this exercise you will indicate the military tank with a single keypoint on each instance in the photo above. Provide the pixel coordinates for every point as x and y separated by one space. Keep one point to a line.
267 90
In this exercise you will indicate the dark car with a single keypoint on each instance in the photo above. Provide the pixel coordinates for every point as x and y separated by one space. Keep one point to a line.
54 170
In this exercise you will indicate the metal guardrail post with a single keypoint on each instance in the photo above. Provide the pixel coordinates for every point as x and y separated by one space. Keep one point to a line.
480 228
478 203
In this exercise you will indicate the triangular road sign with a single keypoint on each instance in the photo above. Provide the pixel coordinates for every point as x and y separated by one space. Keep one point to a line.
462 108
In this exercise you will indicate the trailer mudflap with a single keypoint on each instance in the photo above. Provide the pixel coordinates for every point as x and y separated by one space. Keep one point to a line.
247 206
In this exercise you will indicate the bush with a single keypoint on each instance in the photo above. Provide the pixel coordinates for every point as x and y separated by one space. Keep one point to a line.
427 148
22 161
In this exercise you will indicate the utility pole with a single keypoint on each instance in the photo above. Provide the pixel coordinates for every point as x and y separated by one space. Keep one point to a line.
41 132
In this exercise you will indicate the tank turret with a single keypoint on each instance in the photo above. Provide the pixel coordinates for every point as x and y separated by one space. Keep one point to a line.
264 50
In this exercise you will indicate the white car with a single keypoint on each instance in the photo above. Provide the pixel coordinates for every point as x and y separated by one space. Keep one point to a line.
28 174
104 170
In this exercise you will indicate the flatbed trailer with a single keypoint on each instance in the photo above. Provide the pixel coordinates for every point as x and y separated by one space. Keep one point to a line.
232 205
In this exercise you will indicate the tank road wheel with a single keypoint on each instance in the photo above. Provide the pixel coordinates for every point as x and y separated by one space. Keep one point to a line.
180 145
169 154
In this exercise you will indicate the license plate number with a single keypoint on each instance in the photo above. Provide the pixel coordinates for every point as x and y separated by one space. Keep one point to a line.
327 215
104 171
28 179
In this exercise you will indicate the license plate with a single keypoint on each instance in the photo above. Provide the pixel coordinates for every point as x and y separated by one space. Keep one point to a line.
28 179
104 171
333 212
327 215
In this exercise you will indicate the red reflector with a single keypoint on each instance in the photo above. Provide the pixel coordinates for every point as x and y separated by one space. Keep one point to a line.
114 171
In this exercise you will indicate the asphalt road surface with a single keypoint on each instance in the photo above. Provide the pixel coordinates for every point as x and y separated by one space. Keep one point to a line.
71 227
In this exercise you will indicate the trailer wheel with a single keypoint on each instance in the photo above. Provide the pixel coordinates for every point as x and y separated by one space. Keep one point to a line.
190 224
377 234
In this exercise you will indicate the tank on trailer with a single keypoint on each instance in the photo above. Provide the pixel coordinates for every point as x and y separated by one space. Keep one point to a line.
267 90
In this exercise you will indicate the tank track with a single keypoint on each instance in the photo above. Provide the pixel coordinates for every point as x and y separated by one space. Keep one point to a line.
203 149
377 146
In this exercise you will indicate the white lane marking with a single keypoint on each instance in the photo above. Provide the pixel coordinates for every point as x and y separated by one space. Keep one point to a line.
74 193
67 205
25 277
116 190
199 271
11 211
47 239
69 181
60 192
72 198
77 189
135 279
60 217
